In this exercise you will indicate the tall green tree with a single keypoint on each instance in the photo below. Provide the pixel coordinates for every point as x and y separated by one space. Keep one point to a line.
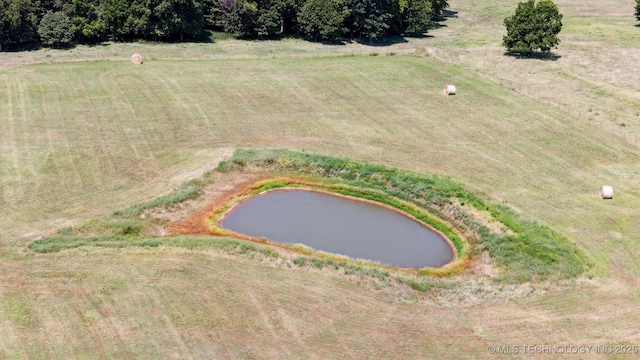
17 22
269 21
322 19
88 26
44 6
638 10
177 18
417 16
242 17
55 29
115 14
369 18
290 13
189 18
139 21
213 14
533 27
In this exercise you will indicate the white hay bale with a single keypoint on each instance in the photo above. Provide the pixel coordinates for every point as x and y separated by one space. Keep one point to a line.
606 192
136 59
449 90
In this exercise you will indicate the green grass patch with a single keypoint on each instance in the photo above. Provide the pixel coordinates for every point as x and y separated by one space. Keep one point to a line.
300 261
348 267
271 185
188 190
58 243
416 285
231 246
13 309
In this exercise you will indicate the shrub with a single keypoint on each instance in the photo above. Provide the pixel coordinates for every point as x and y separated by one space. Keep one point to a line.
300 261
318 263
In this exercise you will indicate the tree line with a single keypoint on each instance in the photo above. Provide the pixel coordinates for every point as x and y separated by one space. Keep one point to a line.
59 23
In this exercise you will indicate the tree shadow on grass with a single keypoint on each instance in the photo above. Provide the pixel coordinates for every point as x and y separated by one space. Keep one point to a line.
60 47
418 35
336 42
20 47
447 14
534 55
382 42
102 43
438 20
204 37
385 41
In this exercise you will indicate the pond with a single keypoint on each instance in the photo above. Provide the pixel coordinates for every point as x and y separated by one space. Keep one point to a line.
339 225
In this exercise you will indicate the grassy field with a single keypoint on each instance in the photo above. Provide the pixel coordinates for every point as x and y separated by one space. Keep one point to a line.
85 133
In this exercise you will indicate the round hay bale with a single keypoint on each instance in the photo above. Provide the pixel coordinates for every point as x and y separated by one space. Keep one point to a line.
449 90
136 59
606 192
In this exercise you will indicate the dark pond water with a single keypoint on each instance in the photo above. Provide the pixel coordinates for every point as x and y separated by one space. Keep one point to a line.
341 226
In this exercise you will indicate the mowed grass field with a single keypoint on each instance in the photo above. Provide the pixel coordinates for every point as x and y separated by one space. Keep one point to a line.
81 139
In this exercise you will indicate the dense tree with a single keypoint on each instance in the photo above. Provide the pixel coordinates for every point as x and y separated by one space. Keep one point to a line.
322 19
269 21
533 27
261 18
638 10
177 18
138 21
44 6
21 21
55 30
290 13
417 16
242 18
88 26
188 18
213 14
115 14
17 22
368 18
